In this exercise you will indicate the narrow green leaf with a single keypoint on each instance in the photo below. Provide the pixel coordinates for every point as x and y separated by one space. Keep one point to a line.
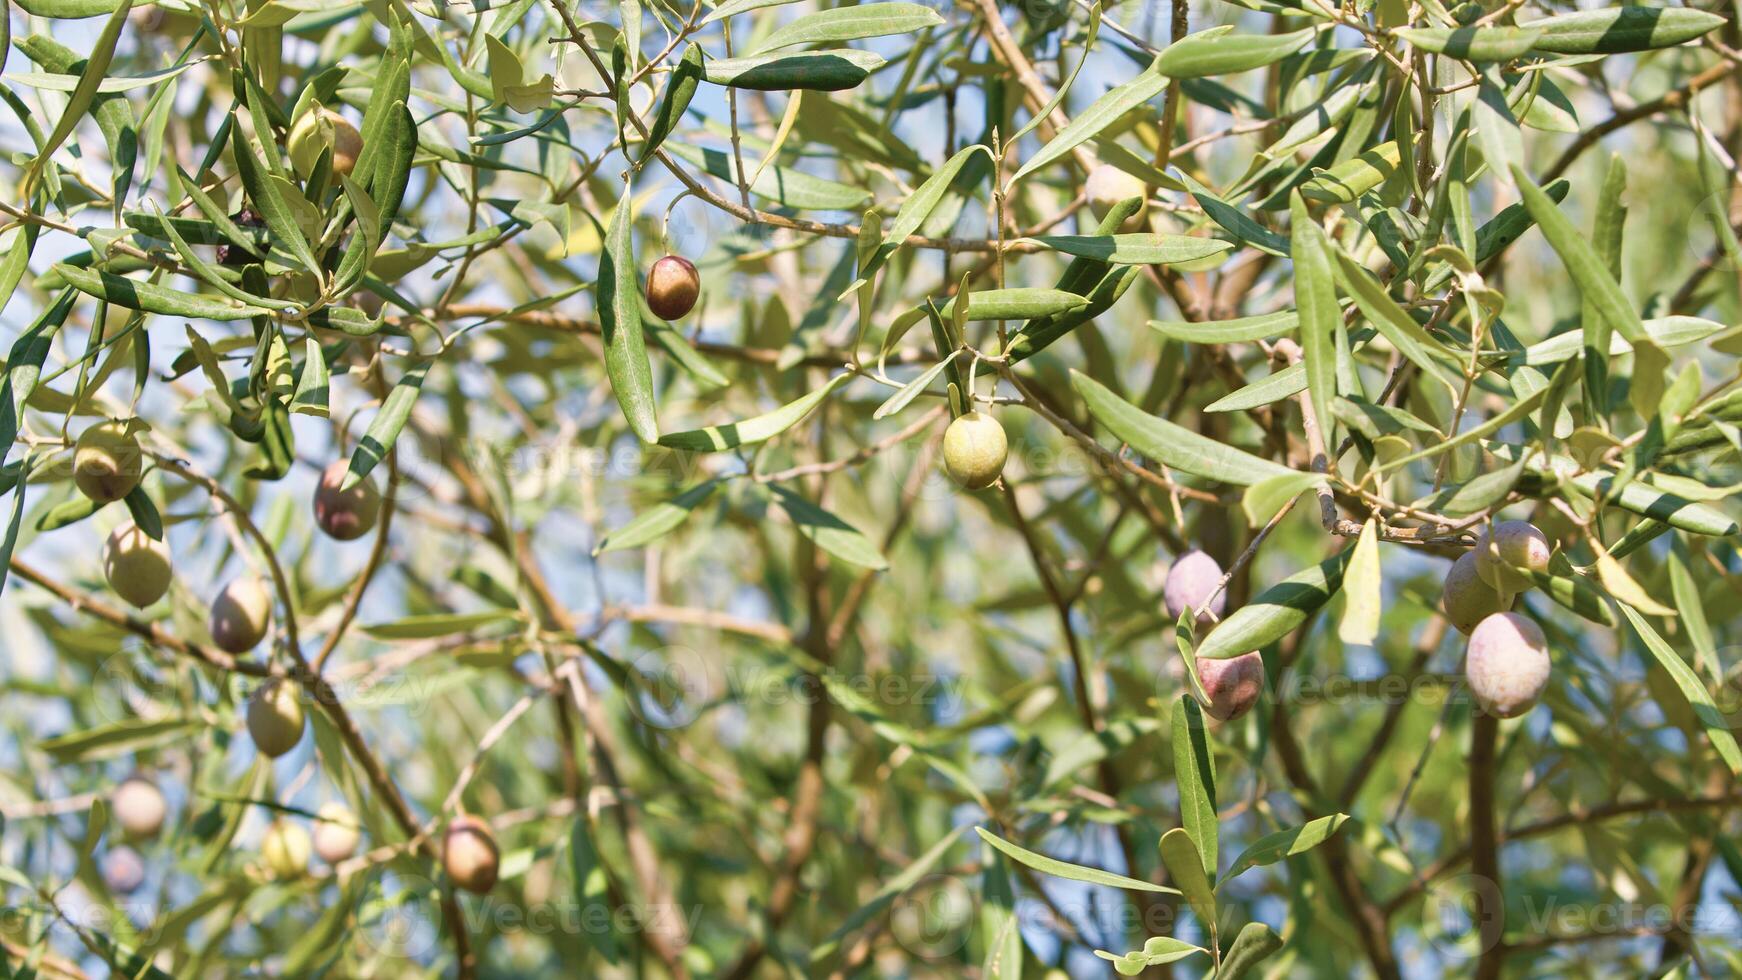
1361 590
1244 329
281 217
1616 30
1135 249
135 294
17 518
313 387
918 206
1016 303
657 522
1272 848
1693 689
718 438
1263 499
1692 612
1315 297
823 71
829 532
619 306
384 429
1185 867
1216 52
1156 951
1235 221
680 88
1106 110
592 887
439 624
908 392
1393 322
1194 772
850 24
90 79
1473 43
1348 180
1255 942
115 738
1277 611
1072 872
1175 446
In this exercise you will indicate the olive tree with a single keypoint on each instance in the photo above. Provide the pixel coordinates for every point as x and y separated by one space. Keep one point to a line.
776 488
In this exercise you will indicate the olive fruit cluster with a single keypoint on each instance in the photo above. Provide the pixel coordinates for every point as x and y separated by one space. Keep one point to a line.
1507 663
1231 686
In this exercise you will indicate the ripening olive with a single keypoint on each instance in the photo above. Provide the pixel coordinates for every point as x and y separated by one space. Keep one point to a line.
1508 550
470 856
1467 599
1507 664
1232 685
975 449
139 807
275 719
336 833
136 565
1190 581
123 870
241 615
285 849
107 462
672 287
345 514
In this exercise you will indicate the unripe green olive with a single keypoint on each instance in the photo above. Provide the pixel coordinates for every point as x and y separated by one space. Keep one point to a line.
1467 599
336 833
672 287
285 849
1191 579
107 462
318 131
139 807
1232 686
136 565
241 615
345 515
1506 551
275 718
1107 185
975 449
1507 665
469 855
